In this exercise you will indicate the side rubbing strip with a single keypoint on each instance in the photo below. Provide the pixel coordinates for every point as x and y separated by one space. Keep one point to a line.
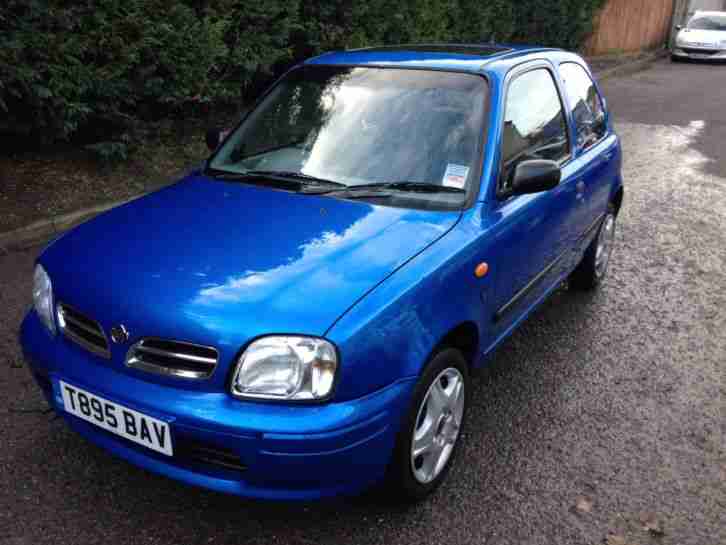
521 294
594 225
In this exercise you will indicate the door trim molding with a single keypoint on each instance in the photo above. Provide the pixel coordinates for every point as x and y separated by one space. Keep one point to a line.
522 293
594 225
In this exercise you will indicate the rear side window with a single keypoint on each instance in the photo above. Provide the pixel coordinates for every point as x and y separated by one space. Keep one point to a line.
586 105
534 122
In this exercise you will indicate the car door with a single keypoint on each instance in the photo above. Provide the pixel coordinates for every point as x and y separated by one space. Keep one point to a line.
532 232
596 147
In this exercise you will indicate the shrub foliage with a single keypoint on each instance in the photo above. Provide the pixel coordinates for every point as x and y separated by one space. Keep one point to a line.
97 67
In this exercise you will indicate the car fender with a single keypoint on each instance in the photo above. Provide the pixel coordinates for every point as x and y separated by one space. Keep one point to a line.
391 333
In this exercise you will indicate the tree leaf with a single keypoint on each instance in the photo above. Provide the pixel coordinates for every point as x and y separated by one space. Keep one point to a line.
584 504
42 92
651 524
615 539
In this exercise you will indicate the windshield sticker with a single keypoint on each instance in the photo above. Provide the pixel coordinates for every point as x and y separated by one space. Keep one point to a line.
455 176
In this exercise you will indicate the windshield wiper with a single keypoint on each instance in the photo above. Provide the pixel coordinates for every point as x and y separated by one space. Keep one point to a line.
297 177
293 175
417 187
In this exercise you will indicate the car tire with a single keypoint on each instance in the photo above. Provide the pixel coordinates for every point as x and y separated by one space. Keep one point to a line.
591 271
430 419
675 59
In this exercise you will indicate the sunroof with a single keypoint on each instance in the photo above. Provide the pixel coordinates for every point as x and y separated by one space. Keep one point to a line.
458 49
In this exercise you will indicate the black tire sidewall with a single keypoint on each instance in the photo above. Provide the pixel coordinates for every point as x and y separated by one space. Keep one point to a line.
400 475
584 277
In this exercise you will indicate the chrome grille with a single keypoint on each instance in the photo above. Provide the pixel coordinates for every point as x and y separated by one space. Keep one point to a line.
82 330
173 358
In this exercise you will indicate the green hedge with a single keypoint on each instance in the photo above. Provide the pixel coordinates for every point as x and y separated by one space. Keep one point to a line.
99 66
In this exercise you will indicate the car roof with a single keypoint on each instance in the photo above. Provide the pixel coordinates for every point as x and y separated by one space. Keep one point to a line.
475 58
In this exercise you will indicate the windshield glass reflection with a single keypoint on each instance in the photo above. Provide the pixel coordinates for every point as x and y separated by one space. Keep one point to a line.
365 125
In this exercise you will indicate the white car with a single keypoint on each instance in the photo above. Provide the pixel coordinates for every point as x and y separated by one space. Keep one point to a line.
704 37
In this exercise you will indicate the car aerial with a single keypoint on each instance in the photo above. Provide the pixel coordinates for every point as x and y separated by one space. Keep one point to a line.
704 37
300 315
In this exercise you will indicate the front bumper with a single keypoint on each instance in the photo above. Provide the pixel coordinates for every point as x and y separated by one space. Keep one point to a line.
260 450
700 53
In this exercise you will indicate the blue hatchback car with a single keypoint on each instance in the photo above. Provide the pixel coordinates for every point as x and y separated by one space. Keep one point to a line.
300 316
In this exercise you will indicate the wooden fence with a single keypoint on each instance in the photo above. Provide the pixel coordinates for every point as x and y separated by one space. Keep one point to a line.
631 25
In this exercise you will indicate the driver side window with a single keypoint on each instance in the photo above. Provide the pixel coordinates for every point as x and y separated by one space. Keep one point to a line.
534 123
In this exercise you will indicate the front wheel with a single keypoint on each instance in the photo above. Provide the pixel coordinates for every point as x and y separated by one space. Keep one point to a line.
591 271
428 438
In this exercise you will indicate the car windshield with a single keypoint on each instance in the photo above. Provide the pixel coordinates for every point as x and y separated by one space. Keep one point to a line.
399 131
708 22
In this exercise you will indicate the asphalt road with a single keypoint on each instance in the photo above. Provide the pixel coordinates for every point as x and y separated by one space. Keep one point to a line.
602 409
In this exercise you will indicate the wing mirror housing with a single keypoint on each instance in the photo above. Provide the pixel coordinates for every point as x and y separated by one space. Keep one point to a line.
679 27
535 176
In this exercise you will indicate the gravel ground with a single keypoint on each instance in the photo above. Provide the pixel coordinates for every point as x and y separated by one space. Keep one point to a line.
603 415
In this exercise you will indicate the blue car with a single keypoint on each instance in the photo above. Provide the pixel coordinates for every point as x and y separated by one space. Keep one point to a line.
300 316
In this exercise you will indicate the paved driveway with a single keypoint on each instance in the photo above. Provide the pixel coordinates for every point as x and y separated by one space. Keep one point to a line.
602 409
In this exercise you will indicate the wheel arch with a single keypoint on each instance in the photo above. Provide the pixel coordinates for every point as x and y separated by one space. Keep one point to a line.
463 337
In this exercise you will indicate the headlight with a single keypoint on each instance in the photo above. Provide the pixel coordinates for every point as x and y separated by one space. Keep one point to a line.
286 368
43 297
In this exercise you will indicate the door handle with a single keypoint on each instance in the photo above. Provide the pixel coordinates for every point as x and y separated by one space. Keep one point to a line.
580 186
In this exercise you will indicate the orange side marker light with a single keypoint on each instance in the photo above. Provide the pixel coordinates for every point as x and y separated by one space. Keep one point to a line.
481 270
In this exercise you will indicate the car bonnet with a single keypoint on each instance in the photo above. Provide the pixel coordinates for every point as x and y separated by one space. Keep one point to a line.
219 263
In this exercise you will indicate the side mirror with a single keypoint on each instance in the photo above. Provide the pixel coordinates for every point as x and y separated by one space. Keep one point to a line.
214 137
679 27
535 176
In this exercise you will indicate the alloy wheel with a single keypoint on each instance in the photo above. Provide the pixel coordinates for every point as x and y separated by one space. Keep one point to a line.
604 246
438 423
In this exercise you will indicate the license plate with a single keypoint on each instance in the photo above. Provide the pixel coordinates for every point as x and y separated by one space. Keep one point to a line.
128 423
